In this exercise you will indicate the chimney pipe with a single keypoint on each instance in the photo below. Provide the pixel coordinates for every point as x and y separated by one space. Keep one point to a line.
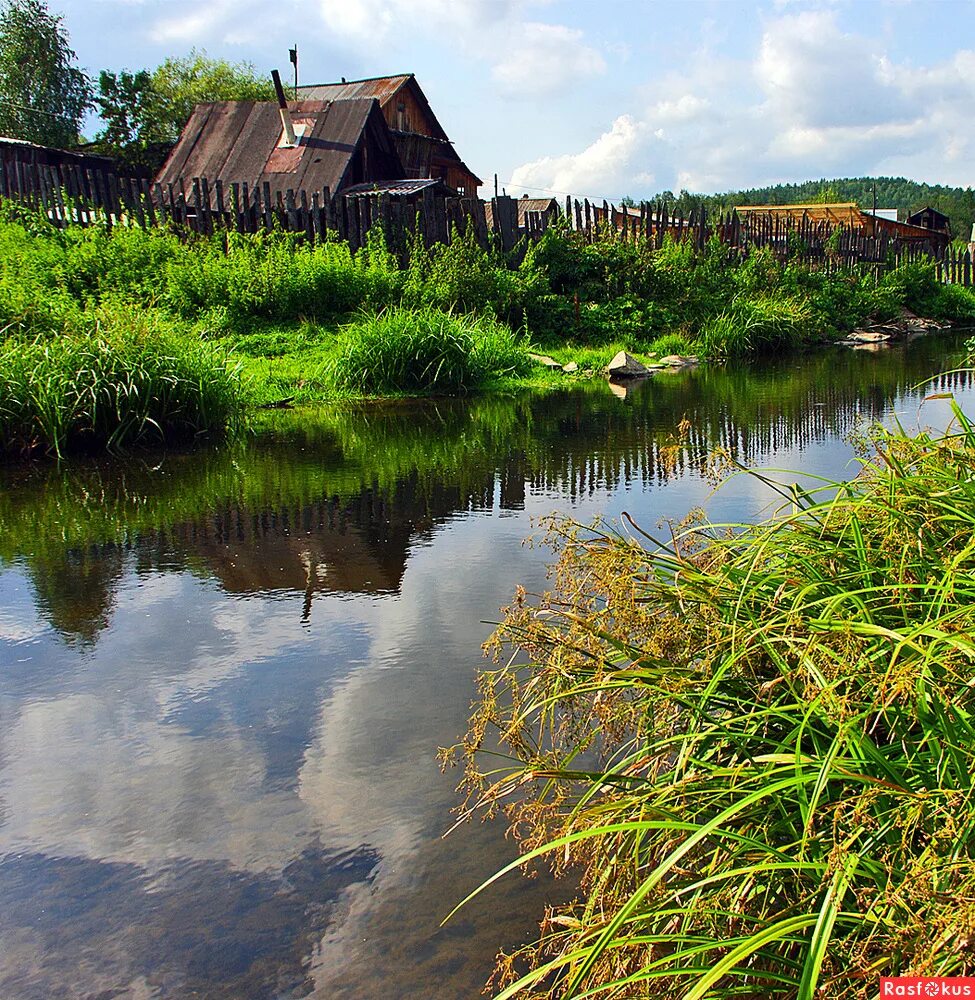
289 129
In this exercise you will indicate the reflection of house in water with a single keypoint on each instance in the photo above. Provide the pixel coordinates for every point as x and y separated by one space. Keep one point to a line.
329 546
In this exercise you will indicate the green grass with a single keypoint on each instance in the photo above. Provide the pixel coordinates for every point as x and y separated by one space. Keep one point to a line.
310 323
129 379
754 745
425 350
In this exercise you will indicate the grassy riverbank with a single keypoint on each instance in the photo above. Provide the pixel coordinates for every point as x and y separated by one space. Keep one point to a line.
251 320
757 746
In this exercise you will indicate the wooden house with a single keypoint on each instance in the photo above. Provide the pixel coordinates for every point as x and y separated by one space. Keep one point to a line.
420 139
340 143
930 218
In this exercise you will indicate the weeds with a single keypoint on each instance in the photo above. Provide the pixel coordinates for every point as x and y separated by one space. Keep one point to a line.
127 380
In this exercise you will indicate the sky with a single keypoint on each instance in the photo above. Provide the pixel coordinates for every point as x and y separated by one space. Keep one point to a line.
606 98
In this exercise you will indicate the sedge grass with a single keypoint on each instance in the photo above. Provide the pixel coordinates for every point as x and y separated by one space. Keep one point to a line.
756 744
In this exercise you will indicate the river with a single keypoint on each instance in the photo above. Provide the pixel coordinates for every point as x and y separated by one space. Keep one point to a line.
225 674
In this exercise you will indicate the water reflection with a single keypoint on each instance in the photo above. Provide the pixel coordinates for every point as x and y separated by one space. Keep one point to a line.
224 677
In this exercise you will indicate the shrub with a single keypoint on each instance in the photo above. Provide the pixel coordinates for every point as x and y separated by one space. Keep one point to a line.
752 325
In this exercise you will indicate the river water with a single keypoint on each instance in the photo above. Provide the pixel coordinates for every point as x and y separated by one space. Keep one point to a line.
224 675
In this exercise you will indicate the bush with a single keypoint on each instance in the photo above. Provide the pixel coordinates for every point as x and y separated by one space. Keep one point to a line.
753 325
425 350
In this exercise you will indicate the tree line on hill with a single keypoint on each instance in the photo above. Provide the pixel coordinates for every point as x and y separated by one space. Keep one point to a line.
905 195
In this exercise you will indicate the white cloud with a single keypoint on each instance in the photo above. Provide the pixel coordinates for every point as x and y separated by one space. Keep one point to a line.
545 58
606 164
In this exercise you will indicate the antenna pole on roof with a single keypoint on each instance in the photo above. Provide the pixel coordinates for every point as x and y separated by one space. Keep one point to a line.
289 130
495 185
293 56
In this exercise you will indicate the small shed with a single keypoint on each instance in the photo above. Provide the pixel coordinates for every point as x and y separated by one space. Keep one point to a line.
930 218
340 144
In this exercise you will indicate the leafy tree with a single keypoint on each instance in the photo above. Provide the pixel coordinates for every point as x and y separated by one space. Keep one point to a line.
180 84
131 111
43 95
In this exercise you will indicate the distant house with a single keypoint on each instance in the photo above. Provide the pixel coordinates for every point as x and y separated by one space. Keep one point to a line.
929 218
340 144
546 207
420 140
850 215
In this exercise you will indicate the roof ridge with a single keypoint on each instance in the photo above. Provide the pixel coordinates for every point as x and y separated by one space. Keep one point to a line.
365 79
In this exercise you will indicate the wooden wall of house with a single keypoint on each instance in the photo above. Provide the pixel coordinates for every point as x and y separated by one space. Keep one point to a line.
412 118
457 177
416 152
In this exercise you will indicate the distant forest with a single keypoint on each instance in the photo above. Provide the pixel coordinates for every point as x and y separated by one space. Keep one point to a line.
892 192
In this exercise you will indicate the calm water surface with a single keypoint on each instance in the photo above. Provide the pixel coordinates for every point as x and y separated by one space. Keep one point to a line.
224 676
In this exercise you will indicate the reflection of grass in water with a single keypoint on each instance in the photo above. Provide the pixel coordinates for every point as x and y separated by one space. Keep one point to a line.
569 440
291 457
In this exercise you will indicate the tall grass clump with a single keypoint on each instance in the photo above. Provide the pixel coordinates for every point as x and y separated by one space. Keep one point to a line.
764 324
424 350
128 379
755 745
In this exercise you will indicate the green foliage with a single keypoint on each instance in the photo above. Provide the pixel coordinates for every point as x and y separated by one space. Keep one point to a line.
133 113
43 95
760 325
671 343
754 747
406 350
127 379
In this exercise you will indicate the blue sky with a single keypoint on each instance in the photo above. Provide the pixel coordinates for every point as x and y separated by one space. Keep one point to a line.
603 98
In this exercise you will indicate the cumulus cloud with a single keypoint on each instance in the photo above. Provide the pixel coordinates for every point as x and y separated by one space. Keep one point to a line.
808 100
610 160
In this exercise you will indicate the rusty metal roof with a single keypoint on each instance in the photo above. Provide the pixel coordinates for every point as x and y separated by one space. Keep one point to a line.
238 141
382 88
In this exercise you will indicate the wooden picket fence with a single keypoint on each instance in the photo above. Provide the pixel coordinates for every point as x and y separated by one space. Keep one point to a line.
71 195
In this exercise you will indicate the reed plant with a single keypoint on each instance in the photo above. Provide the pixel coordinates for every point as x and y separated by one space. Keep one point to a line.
425 350
129 378
754 745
